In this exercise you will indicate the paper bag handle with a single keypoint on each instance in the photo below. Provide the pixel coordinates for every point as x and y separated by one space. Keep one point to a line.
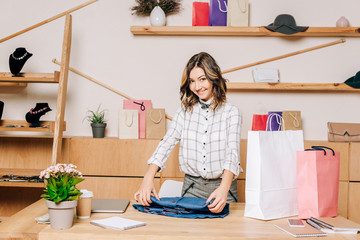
158 121
224 11
322 147
318 148
279 119
126 119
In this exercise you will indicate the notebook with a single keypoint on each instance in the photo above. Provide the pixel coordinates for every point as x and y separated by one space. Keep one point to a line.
307 231
338 225
109 205
117 223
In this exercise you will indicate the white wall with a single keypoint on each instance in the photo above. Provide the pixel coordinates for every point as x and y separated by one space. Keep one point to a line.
148 67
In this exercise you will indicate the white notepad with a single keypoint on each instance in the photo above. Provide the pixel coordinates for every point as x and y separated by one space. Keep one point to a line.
117 223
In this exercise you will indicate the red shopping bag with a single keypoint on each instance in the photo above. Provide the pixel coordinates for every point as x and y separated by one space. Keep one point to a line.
317 182
200 14
259 122
141 106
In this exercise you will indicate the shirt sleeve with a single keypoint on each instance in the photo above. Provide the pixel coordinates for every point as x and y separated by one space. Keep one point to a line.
232 152
167 144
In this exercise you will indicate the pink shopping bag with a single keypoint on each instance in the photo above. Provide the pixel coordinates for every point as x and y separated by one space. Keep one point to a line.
141 106
317 182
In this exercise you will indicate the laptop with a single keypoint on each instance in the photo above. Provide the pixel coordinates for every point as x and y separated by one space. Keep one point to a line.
103 205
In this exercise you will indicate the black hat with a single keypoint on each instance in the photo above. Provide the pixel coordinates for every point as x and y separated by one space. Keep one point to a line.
285 23
354 81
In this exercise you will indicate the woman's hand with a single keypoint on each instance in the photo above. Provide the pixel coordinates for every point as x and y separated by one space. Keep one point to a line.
220 197
220 194
147 187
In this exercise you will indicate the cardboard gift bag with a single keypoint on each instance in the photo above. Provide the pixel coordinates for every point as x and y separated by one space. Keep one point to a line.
218 13
128 124
238 13
292 120
155 123
343 132
270 188
259 122
141 106
318 182
200 14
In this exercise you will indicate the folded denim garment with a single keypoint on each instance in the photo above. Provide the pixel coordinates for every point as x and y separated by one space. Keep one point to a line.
181 207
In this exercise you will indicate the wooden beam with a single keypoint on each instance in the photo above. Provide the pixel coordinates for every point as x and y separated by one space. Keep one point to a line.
47 21
61 100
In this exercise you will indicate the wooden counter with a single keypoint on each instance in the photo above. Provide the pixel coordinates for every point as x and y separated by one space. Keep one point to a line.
235 226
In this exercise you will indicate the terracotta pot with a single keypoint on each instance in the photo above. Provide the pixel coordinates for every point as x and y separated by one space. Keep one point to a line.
61 214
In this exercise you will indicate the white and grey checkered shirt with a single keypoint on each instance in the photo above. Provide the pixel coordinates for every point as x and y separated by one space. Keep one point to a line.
209 142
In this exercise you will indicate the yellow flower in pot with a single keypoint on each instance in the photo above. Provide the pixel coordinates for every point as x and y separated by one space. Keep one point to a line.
61 193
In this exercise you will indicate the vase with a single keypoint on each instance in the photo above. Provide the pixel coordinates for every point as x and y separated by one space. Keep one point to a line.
98 130
157 17
61 214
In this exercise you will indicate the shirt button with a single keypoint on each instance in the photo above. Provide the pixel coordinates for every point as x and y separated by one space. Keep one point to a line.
206 131
204 169
204 156
206 119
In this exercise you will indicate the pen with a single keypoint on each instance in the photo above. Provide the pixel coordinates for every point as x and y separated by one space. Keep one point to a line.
321 223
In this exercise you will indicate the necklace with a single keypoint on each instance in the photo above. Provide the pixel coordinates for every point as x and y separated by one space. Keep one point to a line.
38 111
19 58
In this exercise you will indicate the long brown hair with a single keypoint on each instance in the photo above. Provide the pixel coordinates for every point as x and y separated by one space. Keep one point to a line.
212 72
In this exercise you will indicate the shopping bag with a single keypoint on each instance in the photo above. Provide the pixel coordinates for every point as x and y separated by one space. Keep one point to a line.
238 13
259 122
270 188
343 132
200 14
318 182
217 13
128 124
155 123
274 121
291 120
141 106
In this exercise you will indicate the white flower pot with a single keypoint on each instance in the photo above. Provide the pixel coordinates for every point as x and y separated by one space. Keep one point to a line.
61 214
157 17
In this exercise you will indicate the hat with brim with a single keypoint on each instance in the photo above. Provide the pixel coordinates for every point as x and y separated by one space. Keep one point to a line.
354 81
285 23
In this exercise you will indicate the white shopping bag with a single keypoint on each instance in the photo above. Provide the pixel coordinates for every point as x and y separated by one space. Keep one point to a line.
270 190
128 124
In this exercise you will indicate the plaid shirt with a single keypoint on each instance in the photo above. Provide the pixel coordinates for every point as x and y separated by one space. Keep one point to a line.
209 141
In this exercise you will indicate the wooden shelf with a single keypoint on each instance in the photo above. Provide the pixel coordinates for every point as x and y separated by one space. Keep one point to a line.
331 87
12 84
22 125
242 31
22 184
6 78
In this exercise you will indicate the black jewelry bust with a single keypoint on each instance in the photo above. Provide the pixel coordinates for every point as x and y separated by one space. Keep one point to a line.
1 108
33 116
17 60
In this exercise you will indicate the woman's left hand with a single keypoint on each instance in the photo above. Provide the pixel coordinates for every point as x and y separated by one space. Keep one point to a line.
219 196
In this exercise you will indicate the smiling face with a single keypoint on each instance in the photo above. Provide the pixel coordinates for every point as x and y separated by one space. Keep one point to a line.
199 84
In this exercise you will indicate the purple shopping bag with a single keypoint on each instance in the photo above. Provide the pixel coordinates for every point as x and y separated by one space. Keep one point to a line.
274 121
218 13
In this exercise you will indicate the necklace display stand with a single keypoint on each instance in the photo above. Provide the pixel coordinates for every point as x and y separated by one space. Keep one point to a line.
1 108
17 60
33 116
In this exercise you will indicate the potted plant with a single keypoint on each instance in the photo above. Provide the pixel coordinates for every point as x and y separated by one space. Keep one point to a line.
156 9
61 193
98 122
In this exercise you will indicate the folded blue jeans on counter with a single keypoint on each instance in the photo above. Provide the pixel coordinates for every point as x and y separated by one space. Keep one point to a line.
181 207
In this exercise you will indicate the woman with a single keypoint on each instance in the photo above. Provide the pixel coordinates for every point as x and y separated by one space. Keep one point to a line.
208 129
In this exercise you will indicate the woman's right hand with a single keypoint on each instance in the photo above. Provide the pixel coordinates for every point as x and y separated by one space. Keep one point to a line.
147 187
